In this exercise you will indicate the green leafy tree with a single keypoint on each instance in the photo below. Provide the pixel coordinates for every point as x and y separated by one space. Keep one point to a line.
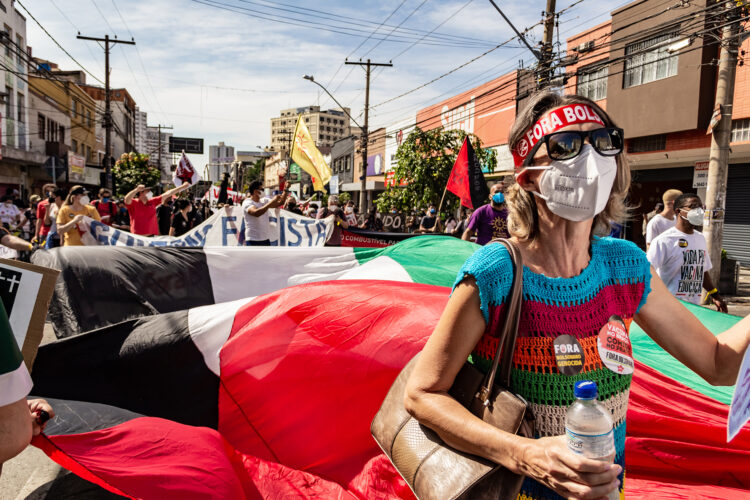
254 173
133 169
425 160
344 197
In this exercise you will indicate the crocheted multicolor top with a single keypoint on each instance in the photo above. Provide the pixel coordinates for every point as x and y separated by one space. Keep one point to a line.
615 282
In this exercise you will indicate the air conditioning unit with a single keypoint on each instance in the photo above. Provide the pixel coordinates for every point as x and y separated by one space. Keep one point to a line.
585 46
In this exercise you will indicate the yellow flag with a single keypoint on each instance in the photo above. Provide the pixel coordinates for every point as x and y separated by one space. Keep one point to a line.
308 157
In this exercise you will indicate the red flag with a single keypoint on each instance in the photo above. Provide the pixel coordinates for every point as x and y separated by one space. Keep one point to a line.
466 180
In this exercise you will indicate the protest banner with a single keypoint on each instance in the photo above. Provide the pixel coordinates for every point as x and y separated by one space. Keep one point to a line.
371 239
26 291
225 228
394 223
212 195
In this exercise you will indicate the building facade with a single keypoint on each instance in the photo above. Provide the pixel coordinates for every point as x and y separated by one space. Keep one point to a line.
655 71
657 79
59 93
20 168
157 147
123 109
326 127
220 160
141 131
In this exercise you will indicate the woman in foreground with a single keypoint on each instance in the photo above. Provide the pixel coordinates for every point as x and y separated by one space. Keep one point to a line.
571 183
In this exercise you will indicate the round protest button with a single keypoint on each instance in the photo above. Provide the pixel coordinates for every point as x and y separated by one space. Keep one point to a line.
569 355
614 347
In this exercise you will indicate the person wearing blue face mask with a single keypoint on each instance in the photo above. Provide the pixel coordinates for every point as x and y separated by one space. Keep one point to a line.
429 223
105 206
489 221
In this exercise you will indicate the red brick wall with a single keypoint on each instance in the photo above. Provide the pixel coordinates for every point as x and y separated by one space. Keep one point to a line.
690 139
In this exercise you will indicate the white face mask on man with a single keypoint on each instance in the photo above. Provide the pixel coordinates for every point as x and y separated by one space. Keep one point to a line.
694 216
577 189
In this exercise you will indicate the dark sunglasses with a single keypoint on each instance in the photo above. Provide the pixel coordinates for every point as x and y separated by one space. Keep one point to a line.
568 144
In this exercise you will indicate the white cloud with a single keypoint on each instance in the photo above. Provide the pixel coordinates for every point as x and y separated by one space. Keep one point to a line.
188 49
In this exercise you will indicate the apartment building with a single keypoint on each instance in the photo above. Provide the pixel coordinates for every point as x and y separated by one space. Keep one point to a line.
326 127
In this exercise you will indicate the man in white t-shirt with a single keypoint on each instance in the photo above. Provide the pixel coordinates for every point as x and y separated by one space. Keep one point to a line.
680 256
255 209
664 220
10 215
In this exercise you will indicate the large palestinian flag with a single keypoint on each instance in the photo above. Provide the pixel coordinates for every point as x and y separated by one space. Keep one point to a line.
272 396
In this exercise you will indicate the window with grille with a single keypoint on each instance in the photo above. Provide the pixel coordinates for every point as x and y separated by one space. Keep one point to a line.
41 122
592 82
649 60
647 143
741 130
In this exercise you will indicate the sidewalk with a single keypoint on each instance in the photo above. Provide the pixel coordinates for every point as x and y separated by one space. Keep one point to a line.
739 304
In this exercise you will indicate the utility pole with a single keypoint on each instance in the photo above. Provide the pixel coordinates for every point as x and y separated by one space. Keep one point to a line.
160 126
544 73
718 166
363 189
107 101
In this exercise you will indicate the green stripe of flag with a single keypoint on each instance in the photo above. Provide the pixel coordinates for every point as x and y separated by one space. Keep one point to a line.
648 352
433 260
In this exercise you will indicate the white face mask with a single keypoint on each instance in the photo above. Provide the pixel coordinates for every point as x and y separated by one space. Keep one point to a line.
695 216
84 200
149 195
349 210
579 188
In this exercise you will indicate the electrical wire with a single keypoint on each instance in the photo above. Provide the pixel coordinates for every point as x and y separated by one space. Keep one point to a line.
342 30
58 43
140 59
639 35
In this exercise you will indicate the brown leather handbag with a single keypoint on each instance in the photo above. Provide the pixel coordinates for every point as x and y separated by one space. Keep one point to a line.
434 470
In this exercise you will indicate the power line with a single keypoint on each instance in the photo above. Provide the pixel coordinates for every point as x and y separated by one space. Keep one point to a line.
449 72
342 30
367 23
140 59
357 48
57 43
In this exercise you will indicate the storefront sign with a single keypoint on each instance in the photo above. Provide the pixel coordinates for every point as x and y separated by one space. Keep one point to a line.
700 174
76 168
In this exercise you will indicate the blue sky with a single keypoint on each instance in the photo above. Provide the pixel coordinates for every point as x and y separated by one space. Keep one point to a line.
220 69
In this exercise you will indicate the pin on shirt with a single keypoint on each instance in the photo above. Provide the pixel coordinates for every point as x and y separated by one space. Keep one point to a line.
613 344
569 355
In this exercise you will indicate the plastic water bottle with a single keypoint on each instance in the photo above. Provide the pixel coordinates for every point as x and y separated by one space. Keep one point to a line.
589 426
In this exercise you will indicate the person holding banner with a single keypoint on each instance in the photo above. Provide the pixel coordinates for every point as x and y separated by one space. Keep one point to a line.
75 208
142 208
489 221
581 292
255 210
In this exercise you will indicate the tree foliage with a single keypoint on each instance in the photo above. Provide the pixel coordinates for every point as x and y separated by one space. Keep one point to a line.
133 169
425 160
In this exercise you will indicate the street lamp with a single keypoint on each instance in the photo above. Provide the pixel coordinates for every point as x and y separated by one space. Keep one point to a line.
363 187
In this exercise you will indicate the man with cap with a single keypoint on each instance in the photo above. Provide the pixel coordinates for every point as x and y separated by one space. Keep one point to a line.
142 208
664 220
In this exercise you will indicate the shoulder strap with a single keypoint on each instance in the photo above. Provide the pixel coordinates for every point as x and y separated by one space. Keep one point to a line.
507 338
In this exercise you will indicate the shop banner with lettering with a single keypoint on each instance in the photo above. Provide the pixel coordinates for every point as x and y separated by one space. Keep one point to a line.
225 228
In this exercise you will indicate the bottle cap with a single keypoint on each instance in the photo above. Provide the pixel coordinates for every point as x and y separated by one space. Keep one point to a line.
585 389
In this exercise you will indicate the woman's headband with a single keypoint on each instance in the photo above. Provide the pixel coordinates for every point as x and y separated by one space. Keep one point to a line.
550 122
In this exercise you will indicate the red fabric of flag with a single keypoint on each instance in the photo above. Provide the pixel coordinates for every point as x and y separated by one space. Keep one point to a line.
466 180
